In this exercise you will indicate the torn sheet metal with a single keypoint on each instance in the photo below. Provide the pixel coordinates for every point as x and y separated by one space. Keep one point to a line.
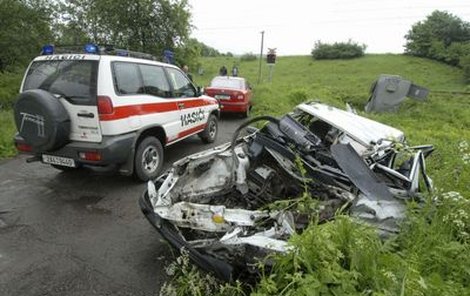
214 218
262 239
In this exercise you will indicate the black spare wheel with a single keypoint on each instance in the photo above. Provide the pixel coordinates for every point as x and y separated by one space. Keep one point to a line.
41 120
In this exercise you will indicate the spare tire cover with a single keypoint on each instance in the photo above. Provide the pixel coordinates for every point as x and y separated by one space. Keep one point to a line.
41 120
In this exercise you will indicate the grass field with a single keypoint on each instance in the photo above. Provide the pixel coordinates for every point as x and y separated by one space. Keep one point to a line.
431 256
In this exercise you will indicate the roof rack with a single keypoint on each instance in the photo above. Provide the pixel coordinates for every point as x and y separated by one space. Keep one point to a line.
110 50
95 49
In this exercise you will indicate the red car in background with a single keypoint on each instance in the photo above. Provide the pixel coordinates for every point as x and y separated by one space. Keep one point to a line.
233 94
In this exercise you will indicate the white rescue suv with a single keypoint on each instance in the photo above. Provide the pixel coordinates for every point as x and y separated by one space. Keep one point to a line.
108 109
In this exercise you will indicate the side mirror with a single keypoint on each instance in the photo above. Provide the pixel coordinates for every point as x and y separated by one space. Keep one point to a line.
200 90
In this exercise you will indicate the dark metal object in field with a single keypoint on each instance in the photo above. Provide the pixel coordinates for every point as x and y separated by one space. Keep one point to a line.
389 91
234 204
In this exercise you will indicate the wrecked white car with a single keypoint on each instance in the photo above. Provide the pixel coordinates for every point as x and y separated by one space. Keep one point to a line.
240 201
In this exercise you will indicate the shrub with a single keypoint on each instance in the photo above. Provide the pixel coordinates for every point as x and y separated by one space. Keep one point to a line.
449 54
338 50
439 30
443 37
187 279
25 28
465 64
9 88
248 57
298 96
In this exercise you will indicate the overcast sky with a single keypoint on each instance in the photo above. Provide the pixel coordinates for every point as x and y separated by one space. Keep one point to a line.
293 26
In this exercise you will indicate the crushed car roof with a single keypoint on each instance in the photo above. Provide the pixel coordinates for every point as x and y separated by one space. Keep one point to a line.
366 131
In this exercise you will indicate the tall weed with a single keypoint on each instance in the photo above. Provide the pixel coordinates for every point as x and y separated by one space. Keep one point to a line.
7 131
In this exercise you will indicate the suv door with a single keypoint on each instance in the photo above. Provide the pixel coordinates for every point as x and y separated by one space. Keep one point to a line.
156 85
145 96
193 111
74 83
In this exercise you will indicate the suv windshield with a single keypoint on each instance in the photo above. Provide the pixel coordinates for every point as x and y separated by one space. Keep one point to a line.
75 80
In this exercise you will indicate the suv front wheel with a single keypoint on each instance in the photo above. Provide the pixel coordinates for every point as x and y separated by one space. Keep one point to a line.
148 159
209 134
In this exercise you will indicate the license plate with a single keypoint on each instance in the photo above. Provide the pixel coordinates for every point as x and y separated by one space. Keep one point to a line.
222 97
58 160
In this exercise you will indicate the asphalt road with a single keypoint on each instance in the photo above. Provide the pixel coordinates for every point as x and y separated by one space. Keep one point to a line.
76 233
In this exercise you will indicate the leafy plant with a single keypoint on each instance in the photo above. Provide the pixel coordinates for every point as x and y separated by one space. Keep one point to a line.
465 64
187 280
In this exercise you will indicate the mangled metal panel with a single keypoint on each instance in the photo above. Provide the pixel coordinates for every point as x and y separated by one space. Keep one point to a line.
389 91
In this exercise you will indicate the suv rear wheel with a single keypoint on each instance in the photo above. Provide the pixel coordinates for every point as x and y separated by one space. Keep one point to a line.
209 134
41 120
148 159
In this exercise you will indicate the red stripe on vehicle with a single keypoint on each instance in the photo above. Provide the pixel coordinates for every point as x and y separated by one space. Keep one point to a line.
188 132
121 112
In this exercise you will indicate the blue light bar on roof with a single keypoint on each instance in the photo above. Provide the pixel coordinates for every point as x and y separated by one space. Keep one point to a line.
47 49
90 48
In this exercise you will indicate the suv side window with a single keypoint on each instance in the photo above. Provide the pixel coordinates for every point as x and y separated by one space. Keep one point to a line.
182 87
155 82
127 78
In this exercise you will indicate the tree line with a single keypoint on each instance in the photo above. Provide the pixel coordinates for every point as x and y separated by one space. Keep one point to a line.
149 26
442 36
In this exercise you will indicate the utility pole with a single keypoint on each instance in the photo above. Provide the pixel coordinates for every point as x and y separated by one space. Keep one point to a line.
260 57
